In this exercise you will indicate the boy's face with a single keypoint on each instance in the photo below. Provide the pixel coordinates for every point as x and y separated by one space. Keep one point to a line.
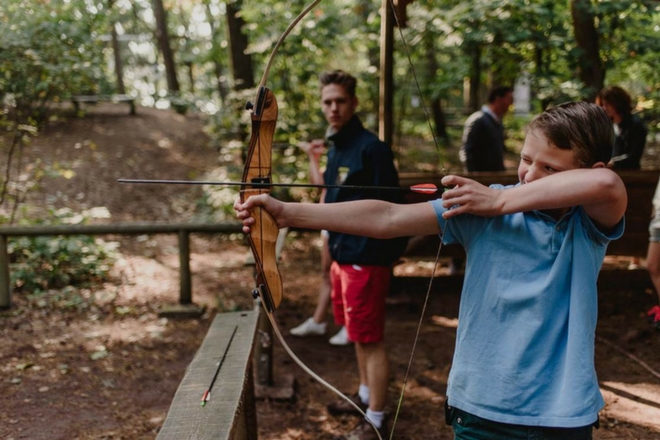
539 159
337 105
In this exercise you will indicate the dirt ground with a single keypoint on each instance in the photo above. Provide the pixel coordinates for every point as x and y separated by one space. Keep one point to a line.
109 367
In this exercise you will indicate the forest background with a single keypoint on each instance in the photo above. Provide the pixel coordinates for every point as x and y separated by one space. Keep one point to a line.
203 59
206 56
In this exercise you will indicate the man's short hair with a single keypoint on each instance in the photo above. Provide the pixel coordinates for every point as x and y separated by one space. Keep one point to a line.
339 77
582 127
498 92
617 98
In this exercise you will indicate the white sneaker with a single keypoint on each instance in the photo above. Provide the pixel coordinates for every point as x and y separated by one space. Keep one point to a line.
341 338
309 328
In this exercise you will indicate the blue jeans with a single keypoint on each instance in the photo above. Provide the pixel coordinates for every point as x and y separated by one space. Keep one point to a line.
467 426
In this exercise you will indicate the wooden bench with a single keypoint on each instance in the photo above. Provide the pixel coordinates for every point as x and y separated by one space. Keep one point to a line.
93 99
230 413
634 242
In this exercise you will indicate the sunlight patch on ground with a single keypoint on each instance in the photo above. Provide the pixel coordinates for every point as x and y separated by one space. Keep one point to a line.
144 328
637 403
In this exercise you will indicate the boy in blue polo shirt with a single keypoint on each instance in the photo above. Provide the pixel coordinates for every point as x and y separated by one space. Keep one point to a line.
524 359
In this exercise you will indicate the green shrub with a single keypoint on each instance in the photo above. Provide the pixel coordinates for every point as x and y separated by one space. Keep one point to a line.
45 262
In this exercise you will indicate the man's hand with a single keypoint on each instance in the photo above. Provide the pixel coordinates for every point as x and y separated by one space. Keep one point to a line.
314 149
469 197
244 210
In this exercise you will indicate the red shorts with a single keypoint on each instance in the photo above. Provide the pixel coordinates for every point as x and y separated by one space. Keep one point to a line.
358 300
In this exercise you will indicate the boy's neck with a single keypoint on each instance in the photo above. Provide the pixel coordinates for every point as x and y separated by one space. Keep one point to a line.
555 213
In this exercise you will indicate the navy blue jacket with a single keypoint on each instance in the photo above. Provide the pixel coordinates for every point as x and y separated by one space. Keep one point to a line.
483 143
357 157
629 144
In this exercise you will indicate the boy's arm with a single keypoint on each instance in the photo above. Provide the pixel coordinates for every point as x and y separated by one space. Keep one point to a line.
600 191
369 218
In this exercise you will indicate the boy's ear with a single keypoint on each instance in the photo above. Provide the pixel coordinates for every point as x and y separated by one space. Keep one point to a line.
599 165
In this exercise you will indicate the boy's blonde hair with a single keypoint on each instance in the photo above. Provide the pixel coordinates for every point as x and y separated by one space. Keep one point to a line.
579 126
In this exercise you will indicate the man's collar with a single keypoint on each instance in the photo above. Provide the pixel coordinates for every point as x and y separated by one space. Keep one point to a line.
486 109
348 130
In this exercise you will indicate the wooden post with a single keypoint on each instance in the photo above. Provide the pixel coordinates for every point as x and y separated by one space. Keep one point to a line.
5 281
263 350
184 268
385 116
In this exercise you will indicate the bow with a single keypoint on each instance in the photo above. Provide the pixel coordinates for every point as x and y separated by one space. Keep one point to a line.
257 180
263 236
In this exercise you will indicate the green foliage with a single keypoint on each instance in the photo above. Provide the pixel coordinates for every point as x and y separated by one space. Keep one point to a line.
41 263
46 53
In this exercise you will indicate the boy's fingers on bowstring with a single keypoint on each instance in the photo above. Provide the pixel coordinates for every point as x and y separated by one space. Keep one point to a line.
452 180
454 185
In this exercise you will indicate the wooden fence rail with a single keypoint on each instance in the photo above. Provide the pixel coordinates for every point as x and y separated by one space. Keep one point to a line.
183 230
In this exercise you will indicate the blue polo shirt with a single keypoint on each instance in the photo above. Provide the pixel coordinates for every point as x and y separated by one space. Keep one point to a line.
525 342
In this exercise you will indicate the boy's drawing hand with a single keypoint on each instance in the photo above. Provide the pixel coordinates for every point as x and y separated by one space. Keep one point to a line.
243 210
469 197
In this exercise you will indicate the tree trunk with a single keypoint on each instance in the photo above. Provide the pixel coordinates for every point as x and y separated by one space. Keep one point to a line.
163 38
216 50
116 51
591 69
432 66
119 65
241 62
474 52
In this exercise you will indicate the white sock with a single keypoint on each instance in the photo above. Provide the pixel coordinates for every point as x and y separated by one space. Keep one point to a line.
376 417
363 392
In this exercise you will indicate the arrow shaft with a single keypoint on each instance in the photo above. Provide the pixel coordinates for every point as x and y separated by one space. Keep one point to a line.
427 190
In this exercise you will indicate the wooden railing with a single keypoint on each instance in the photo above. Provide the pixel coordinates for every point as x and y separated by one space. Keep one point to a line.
230 413
183 230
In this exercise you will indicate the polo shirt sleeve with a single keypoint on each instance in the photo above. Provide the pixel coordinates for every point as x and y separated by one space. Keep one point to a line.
598 235
463 229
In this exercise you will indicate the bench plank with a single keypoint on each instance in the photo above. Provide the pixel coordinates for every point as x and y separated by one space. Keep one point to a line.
230 413
77 99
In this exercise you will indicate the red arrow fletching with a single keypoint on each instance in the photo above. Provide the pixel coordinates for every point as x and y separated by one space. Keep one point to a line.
424 188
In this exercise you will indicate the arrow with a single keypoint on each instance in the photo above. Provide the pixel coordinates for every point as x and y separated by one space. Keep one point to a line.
207 394
421 188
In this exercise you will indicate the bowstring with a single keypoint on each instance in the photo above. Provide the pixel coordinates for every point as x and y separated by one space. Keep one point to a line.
437 257
268 313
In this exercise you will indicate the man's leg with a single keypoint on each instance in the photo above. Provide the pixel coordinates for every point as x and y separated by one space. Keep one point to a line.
374 364
653 267
326 286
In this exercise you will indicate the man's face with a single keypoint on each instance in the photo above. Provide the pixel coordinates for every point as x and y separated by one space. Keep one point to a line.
503 103
337 105
609 108
539 159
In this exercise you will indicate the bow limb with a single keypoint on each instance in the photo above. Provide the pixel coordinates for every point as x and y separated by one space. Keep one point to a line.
264 231
263 237
280 40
